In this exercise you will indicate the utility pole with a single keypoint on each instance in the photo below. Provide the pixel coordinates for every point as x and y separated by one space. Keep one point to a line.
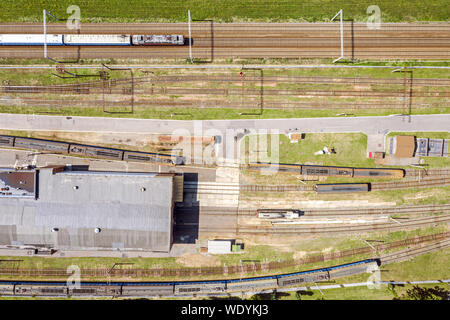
342 34
190 39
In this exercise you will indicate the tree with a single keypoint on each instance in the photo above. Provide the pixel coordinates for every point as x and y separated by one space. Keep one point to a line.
418 293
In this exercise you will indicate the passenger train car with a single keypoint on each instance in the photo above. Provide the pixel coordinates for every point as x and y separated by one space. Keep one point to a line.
184 288
90 40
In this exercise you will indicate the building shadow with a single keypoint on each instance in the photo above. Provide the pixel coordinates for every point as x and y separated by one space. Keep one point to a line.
187 214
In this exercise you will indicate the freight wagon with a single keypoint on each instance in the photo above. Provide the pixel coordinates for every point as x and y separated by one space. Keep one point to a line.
89 151
331 171
342 188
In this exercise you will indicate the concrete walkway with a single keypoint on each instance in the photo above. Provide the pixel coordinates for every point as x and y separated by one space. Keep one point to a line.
232 130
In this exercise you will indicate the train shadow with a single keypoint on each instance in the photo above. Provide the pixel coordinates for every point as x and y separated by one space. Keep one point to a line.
225 298
187 214
300 293
269 296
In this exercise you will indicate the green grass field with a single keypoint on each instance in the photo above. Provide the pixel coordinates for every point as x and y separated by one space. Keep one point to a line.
196 113
225 10
350 149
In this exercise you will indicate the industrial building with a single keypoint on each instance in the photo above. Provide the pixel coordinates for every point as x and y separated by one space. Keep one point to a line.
65 208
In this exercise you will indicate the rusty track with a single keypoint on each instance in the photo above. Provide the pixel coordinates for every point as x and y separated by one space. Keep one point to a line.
289 230
423 183
399 210
412 252
208 271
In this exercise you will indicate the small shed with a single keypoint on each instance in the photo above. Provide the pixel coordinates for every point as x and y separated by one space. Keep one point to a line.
403 146
220 246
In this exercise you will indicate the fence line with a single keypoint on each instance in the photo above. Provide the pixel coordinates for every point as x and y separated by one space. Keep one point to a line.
222 270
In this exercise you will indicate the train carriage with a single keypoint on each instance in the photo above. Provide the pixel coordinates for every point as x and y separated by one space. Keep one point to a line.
96 152
148 157
6 289
44 145
97 40
6 141
31 39
199 287
157 40
40 290
240 285
302 278
378 173
95 290
352 268
131 290
326 171
275 167
342 188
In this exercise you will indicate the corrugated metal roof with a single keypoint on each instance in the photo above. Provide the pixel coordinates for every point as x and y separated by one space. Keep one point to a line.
133 211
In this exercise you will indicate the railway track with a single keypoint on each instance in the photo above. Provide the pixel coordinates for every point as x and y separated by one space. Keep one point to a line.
256 92
375 186
423 173
230 78
412 252
118 93
290 230
256 40
400 210
166 103
423 183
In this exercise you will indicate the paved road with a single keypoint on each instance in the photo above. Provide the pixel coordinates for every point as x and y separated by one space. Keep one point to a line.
368 125
228 129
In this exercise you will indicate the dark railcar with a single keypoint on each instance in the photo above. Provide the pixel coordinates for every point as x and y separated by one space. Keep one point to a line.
277 167
96 152
326 171
379 173
43 145
147 290
303 278
6 141
199 288
90 290
342 188
40 290
148 157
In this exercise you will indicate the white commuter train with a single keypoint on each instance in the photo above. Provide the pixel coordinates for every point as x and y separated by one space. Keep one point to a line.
90 40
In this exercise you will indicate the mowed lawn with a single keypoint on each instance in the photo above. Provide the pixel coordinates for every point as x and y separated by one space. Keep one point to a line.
350 149
225 10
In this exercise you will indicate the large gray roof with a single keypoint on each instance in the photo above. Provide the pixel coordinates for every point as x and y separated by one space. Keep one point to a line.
134 211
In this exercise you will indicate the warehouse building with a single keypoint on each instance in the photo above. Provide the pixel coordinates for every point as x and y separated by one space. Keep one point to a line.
65 208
